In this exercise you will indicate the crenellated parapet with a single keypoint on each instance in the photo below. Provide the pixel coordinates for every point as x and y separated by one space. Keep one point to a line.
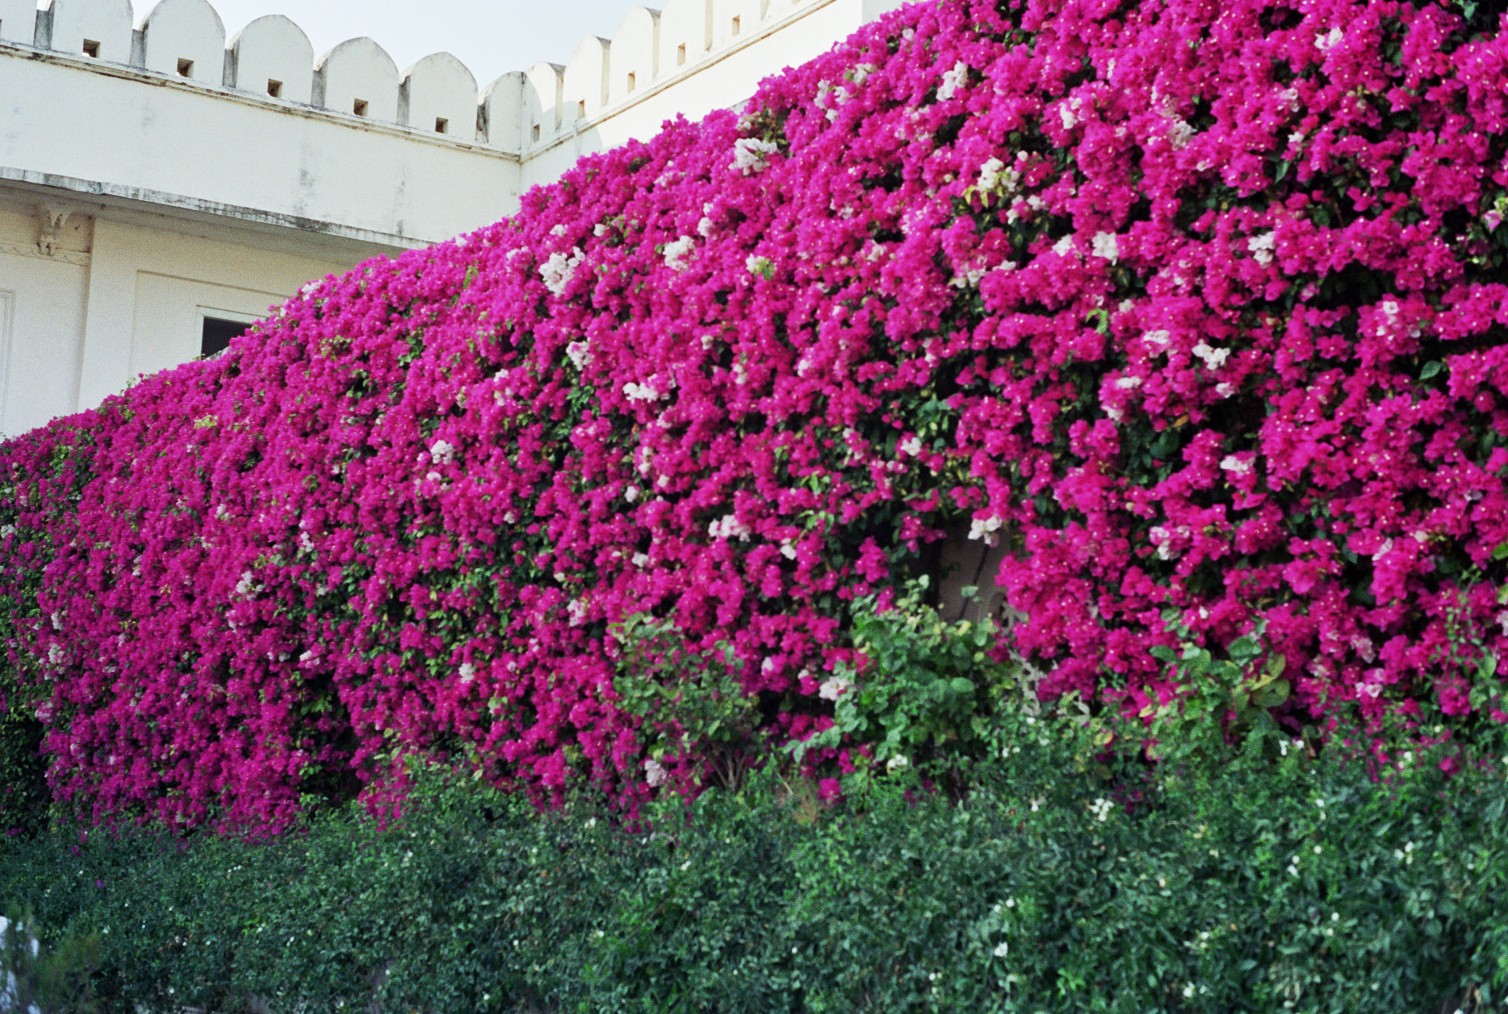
358 77
184 38
438 93
272 56
272 60
650 51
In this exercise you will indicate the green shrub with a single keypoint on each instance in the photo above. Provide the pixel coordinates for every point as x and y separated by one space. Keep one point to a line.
1264 883
926 698
41 478
24 798
690 707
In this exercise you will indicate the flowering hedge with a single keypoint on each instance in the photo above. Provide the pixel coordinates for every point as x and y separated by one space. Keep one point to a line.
1201 306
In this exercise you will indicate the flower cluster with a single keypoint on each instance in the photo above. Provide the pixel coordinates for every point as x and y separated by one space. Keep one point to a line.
1187 306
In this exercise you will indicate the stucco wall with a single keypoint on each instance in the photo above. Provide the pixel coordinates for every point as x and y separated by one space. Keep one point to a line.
182 145
112 300
147 288
41 322
351 145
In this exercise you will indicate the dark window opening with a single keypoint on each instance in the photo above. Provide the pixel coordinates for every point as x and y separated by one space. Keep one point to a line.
185 68
359 107
217 334
91 48
274 87
442 125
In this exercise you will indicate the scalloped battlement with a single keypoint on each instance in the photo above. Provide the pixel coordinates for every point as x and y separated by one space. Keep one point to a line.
522 111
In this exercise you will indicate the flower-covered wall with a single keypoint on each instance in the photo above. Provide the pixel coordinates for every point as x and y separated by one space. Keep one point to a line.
1190 306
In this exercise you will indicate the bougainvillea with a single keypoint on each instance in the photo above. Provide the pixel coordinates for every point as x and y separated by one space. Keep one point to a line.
1198 305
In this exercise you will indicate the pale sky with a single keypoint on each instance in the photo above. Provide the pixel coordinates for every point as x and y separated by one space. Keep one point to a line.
491 37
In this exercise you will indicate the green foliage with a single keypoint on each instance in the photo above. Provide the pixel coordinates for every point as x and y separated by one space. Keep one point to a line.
1264 884
927 695
1466 652
23 784
688 704
1228 700
39 490
1481 15
1058 872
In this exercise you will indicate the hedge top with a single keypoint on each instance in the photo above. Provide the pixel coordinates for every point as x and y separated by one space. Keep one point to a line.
1199 305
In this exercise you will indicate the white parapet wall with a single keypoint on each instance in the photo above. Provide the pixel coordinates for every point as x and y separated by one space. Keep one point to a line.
154 173
326 153
686 59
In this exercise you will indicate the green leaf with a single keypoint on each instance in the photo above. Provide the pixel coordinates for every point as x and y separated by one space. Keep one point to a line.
1245 648
1487 667
1271 695
1431 368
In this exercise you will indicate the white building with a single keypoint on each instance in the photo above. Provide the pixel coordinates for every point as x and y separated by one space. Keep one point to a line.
161 186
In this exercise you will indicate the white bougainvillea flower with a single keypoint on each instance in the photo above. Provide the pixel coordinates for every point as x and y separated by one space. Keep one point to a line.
750 154
833 687
1106 247
952 80
655 773
676 252
558 271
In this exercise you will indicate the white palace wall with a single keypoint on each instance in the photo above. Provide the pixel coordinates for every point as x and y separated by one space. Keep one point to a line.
154 173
